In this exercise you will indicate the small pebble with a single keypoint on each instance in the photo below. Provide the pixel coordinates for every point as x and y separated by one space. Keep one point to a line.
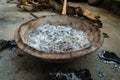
101 74
105 35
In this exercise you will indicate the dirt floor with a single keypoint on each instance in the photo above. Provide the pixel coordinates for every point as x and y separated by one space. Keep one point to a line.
15 65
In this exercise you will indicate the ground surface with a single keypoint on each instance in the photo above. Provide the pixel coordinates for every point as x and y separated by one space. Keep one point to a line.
15 67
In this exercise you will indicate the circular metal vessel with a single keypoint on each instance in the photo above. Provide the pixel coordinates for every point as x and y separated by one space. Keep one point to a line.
93 33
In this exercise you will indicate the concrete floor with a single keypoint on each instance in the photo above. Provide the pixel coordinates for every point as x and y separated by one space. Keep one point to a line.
14 67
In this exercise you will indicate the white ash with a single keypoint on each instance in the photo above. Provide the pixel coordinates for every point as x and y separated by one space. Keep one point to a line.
100 55
68 76
114 64
58 39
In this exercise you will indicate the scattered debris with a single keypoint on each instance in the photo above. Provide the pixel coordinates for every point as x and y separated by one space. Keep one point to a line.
56 5
58 39
33 15
3 44
101 74
12 42
12 45
71 75
109 56
20 55
7 44
105 35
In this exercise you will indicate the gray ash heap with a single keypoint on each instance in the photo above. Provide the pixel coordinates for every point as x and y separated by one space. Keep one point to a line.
71 74
59 39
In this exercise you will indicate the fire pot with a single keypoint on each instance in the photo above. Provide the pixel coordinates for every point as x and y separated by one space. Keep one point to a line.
93 33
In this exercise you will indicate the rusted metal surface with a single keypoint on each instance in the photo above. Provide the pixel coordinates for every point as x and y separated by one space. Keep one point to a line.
94 36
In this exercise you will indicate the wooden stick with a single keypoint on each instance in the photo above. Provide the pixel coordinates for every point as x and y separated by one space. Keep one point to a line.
33 15
64 7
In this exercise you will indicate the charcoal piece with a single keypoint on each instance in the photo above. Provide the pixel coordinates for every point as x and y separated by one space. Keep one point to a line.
101 74
105 35
71 75
20 55
110 56
84 74
3 44
12 45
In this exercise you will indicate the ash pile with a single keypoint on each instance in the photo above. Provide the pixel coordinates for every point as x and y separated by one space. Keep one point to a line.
59 39
71 74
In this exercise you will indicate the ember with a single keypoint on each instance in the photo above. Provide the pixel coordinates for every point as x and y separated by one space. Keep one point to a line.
58 39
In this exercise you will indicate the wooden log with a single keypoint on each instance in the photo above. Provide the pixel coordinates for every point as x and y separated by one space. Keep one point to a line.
59 7
94 2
